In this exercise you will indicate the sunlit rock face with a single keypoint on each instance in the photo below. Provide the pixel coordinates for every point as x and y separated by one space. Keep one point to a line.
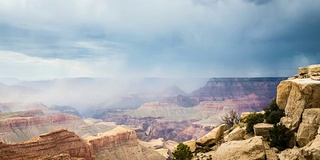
21 124
48 145
294 96
119 143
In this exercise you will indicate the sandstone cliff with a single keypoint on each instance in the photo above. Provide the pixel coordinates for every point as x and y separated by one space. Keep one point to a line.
48 145
119 143
23 125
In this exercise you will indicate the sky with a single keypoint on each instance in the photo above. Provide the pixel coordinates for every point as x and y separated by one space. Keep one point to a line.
47 39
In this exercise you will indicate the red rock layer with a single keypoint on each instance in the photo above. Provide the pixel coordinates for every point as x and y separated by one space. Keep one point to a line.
56 142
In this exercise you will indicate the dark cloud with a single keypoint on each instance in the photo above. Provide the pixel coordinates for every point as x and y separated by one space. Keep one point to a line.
168 38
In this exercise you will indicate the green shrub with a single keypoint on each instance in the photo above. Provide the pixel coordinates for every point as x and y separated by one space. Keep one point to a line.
182 152
253 119
275 116
272 112
279 137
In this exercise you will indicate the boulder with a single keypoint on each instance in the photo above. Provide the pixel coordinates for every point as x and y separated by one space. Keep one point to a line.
191 144
296 95
303 70
237 134
212 137
312 150
314 70
308 129
271 154
290 154
262 129
252 149
309 152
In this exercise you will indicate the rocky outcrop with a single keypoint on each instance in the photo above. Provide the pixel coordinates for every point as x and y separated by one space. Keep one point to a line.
119 143
309 152
296 95
191 144
252 149
308 128
48 145
236 134
262 129
312 150
212 137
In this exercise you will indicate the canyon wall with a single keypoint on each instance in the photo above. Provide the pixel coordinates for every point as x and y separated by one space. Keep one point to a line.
22 125
47 146
119 143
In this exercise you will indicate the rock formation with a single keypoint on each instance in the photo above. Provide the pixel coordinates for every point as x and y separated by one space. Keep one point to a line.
47 145
218 89
308 128
252 149
236 134
23 125
262 129
300 98
119 143
212 137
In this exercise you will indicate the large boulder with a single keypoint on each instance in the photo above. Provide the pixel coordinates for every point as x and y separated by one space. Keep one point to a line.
296 95
262 129
308 129
312 150
236 134
252 149
212 137
290 154
191 144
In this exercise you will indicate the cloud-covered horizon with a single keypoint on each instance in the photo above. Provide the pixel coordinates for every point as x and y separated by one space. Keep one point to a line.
45 39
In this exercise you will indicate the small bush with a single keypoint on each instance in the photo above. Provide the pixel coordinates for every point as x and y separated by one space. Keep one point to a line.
232 118
253 119
182 152
279 137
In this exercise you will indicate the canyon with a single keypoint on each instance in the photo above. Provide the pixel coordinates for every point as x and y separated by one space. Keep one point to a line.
171 115
186 117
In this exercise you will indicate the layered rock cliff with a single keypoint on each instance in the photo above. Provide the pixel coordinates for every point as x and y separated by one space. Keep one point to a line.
300 98
119 143
47 146
23 125
218 89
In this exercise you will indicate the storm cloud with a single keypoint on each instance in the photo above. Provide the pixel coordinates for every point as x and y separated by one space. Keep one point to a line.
43 39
